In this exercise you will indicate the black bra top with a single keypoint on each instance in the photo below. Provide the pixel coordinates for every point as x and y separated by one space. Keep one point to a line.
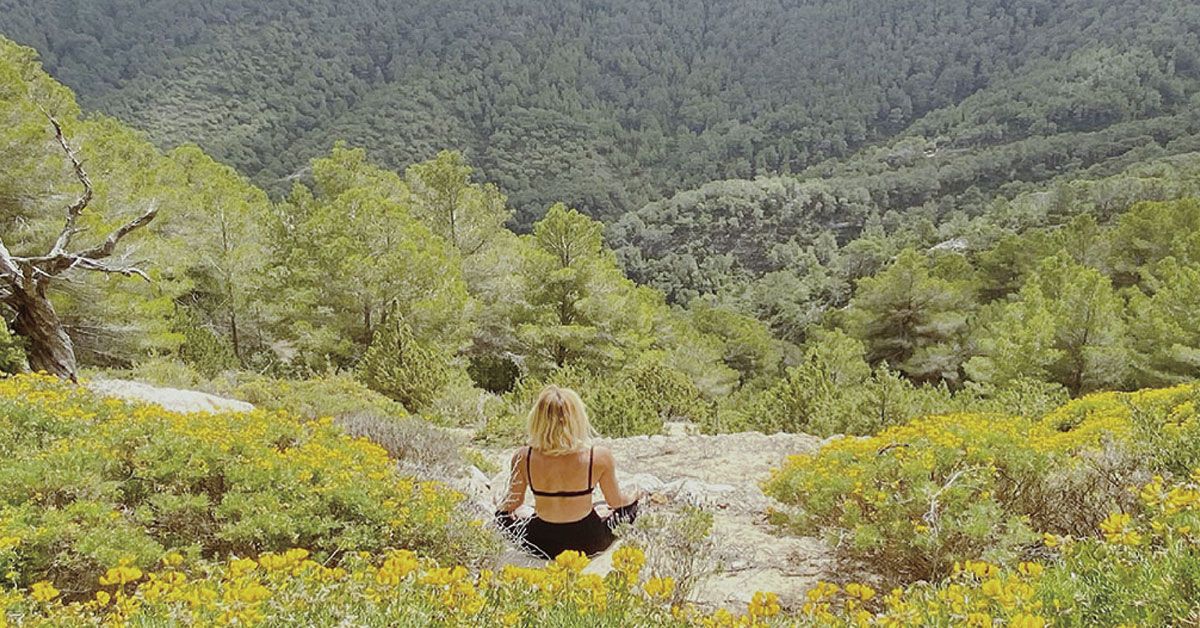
587 491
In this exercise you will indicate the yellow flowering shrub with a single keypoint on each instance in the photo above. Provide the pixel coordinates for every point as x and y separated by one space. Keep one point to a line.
916 498
398 588
87 484
1141 569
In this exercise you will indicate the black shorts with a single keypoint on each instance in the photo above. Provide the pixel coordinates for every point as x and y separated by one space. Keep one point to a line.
591 535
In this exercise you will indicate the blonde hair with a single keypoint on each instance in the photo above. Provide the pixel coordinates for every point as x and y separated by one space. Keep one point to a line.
558 422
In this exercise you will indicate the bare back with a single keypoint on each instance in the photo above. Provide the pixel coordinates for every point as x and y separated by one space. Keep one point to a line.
563 490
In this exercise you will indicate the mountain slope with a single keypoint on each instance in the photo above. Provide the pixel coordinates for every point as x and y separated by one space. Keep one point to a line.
606 105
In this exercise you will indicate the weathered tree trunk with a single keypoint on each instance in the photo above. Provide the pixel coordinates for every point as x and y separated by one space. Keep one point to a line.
47 346
24 280
233 336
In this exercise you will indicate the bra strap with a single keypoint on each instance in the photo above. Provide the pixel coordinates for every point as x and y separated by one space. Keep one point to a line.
528 470
591 456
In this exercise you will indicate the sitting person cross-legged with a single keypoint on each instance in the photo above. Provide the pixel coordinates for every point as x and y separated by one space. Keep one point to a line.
562 469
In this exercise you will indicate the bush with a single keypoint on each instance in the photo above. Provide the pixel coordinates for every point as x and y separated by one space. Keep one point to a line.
917 498
1137 567
460 403
679 543
88 483
12 352
202 349
411 441
618 409
811 399
168 372
493 373
401 368
391 589
477 459
330 395
671 392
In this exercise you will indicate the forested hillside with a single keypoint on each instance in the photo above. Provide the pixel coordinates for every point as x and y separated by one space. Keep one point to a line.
609 105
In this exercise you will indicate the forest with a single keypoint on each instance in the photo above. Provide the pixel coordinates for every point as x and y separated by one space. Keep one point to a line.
969 260
607 106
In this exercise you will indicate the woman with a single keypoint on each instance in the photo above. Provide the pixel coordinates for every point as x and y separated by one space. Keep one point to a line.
562 469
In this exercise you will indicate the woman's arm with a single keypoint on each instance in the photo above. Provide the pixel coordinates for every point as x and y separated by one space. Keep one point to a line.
606 470
516 485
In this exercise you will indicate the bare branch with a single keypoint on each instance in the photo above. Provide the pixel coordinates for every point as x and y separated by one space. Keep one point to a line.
932 516
75 209
90 264
8 268
106 248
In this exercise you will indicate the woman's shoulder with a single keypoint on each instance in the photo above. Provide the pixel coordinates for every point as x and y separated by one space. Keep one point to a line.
602 455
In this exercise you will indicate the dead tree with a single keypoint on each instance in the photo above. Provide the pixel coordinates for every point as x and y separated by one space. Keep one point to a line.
24 281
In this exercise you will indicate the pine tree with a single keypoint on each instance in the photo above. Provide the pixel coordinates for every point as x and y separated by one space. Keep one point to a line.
398 366
913 320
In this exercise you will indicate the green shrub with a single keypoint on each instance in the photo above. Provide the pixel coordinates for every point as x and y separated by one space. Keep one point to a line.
329 395
1167 426
1142 568
679 542
672 392
408 440
916 498
167 372
505 429
207 352
460 403
401 368
619 409
493 373
12 353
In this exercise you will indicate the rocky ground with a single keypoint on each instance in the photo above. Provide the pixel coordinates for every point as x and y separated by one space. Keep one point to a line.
170 398
721 473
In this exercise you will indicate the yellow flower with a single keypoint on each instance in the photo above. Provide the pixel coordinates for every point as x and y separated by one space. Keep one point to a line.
43 591
982 569
860 591
121 575
571 561
764 604
659 587
241 566
174 559
1025 620
979 620
822 591
1033 570
1117 531
629 560
444 576
396 567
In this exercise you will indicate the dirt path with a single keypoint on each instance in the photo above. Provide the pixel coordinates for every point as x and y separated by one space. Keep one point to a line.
722 473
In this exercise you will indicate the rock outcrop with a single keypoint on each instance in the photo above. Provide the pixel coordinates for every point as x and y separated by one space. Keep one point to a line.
173 399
